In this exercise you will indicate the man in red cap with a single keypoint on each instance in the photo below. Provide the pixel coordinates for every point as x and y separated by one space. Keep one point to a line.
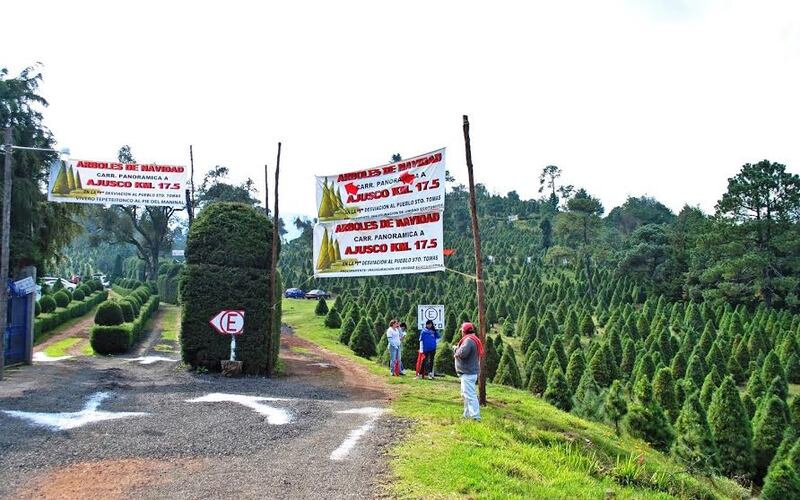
468 354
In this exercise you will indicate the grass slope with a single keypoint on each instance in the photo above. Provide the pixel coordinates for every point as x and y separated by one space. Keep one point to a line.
524 448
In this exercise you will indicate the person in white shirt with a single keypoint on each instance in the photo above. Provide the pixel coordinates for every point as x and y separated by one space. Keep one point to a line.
394 337
402 329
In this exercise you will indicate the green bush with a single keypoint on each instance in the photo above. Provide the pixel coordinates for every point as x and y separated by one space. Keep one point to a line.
347 330
109 314
332 319
126 307
226 256
47 321
111 339
782 483
443 362
78 295
62 298
48 304
322 307
362 342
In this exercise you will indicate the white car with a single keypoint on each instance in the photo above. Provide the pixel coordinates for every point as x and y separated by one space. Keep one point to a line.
50 281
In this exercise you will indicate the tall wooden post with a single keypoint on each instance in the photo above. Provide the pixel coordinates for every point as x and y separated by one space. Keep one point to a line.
4 246
266 190
274 261
476 235
190 191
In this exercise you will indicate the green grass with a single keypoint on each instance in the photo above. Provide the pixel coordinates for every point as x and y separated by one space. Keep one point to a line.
65 325
87 350
524 448
61 347
170 322
300 350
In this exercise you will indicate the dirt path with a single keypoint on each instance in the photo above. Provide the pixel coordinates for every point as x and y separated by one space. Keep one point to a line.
80 330
180 443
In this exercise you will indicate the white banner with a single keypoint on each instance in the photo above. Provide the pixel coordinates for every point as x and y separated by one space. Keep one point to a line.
414 185
373 247
111 183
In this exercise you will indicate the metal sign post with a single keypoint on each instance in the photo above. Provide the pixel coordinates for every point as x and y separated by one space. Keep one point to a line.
229 322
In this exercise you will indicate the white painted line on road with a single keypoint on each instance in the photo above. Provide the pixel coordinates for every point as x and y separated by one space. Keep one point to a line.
41 357
355 435
275 416
70 420
149 360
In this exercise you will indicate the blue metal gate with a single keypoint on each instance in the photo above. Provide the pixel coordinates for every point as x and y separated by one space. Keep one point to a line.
16 331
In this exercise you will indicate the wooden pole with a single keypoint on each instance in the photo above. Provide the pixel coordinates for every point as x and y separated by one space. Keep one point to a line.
274 260
476 235
266 190
190 191
4 246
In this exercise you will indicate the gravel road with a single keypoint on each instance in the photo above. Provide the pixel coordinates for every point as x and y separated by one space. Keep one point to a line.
203 449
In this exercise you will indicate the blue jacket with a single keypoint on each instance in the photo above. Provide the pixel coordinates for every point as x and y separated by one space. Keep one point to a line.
428 339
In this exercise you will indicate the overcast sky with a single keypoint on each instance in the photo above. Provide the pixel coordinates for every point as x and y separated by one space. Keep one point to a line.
666 98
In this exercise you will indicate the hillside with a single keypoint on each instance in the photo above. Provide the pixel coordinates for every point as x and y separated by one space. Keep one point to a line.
687 321
524 448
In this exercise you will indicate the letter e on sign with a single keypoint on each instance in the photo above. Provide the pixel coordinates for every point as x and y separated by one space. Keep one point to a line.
228 322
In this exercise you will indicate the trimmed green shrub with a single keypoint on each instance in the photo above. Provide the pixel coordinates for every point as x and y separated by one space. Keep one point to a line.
322 307
557 392
537 380
109 314
347 330
47 321
730 427
227 258
111 339
62 298
48 304
127 310
78 295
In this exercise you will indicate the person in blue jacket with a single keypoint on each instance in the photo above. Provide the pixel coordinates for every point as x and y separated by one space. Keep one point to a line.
428 338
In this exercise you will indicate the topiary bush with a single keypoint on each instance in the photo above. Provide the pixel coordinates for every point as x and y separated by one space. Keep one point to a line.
48 304
111 339
227 268
109 313
62 298
78 295
127 310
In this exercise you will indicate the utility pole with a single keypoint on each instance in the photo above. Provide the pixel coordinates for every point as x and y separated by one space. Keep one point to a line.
274 261
4 246
190 194
476 235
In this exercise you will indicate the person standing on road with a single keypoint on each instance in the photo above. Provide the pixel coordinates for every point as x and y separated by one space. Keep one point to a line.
427 347
467 357
393 336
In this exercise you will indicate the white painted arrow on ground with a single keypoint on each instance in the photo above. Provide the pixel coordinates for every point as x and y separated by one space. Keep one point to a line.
353 437
41 357
149 360
70 420
275 416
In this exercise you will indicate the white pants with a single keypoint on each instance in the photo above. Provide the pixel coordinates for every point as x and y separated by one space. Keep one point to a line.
470 394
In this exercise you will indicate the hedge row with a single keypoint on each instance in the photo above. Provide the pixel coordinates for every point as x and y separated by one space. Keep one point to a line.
48 321
120 338
168 282
128 283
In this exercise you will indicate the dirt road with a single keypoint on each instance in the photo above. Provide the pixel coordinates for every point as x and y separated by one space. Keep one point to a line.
112 427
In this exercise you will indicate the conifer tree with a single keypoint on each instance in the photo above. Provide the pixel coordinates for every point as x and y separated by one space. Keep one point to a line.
615 406
588 399
332 319
695 370
587 326
507 370
708 389
575 369
730 427
322 307
664 393
694 445
768 434
492 357
537 380
347 330
782 482
557 392
361 341
646 419
600 368
443 361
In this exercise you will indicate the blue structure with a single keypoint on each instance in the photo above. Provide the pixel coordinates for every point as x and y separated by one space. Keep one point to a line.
19 330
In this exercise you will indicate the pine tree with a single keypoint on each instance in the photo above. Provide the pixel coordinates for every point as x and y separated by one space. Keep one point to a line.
588 400
587 326
695 370
507 370
793 368
646 419
694 445
768 434
664 393
600 368
537 380
332 319
575 369
557 392
361 341
730 427
492 357
782 483
322 307
615 406
348 328
443 362
707 391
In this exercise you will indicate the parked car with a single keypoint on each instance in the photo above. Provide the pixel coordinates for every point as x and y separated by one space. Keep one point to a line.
294 293
316 294
103 279
50 281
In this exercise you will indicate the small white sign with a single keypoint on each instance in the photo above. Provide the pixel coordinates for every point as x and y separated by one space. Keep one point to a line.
177 253
25 285
433 313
